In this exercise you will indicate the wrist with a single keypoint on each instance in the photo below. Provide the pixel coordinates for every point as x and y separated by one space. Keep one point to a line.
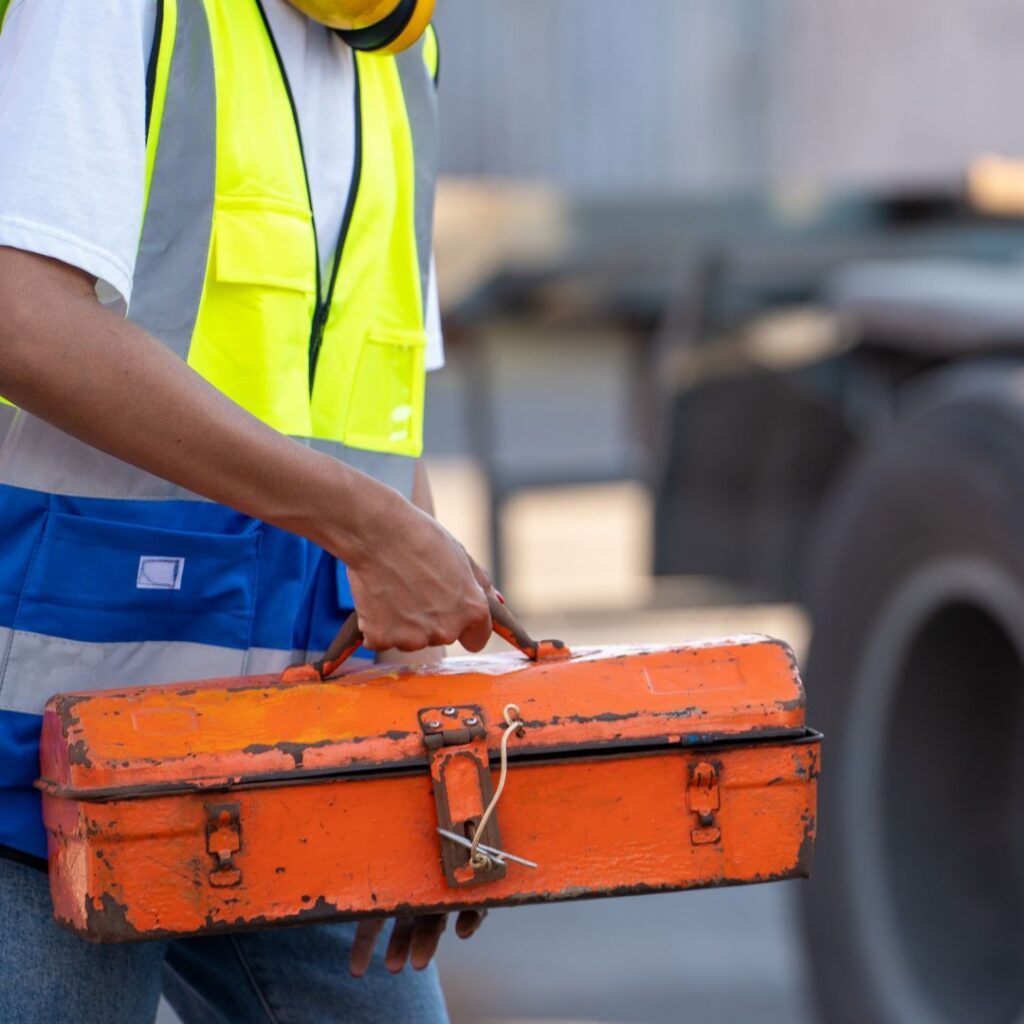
356 516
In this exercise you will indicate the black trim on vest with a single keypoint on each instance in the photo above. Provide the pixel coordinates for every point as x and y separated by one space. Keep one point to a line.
154 57
302 153
383 32
323 301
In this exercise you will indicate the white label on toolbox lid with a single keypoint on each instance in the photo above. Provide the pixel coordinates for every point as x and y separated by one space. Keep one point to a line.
157 572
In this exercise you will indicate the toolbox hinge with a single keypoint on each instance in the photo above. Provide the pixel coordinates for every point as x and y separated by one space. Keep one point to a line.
223 841
456 742
704 799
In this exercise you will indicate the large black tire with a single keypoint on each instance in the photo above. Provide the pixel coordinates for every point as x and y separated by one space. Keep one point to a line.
915 910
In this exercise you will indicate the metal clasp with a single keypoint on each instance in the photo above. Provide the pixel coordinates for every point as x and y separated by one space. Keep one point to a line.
460 770
704 799
223 841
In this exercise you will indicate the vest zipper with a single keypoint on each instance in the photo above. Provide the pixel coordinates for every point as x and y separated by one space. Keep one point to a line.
320 322
154 59
322 309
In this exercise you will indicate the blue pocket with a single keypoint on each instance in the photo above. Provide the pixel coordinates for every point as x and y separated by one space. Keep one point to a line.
100 581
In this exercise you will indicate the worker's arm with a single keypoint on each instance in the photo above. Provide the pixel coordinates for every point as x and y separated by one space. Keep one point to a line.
70 361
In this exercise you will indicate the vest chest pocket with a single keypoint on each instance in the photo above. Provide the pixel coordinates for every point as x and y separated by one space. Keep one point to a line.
107 604
385 410
252 335
259 243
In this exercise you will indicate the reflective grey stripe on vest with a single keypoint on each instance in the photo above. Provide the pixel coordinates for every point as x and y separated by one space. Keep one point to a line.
8 417
38 666
39 457
421 107
396 471
170 268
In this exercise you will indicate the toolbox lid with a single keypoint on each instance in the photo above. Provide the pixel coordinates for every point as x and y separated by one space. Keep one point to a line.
254 730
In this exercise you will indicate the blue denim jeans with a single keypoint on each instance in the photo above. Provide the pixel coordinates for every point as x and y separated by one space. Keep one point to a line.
289 976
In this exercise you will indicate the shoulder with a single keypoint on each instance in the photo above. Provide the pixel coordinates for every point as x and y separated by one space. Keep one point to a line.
72 131
93 31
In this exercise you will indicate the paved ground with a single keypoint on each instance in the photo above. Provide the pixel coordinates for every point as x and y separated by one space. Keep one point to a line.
729 956
725 957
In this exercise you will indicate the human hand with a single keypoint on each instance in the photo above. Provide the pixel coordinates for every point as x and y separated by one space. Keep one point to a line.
414 585
413 939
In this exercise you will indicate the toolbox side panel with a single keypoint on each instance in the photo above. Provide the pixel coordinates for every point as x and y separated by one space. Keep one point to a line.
612 825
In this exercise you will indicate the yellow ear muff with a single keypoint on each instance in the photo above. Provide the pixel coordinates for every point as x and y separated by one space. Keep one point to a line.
402 26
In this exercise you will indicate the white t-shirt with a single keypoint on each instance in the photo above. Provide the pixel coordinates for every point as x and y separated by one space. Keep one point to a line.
72 133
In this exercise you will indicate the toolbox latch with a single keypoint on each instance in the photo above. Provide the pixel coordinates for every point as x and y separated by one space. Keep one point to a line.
704 799
460 772
223 841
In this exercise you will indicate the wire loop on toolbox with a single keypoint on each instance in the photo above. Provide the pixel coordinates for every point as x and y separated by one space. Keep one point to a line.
477 858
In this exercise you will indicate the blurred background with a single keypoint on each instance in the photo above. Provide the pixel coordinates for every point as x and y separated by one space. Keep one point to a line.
734 300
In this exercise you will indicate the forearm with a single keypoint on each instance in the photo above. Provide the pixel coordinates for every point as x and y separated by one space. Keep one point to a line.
103 380
66 359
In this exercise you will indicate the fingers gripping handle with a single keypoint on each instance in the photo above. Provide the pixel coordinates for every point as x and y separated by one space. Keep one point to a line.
505 624
349 638
344 645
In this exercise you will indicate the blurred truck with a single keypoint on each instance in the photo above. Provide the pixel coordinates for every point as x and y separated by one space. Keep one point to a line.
846 427
830 409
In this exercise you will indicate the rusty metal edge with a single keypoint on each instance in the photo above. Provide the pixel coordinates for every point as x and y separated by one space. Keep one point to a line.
323 911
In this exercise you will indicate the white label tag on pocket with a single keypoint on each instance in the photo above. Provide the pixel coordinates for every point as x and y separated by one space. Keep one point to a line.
159 573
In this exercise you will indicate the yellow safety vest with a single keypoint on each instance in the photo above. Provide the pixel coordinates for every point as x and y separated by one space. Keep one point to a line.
228 269
338 360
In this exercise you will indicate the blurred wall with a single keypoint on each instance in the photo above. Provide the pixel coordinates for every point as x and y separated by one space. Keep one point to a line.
683 95
883 89
601 96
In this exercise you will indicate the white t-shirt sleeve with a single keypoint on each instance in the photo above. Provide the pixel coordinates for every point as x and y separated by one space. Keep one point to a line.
73 133
433 357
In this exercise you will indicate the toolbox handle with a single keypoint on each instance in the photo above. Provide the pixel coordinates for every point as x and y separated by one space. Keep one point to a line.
350 637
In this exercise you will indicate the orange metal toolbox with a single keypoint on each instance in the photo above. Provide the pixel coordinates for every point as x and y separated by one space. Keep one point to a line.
265 800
